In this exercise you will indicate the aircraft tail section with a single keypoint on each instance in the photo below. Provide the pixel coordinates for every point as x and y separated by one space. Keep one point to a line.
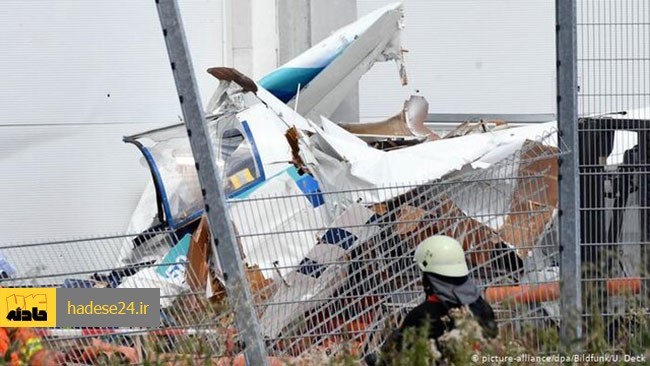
306 71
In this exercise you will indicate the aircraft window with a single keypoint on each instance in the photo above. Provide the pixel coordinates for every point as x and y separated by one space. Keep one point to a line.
237 158
230 141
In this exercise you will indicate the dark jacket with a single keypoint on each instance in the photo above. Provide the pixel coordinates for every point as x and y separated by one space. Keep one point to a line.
430 314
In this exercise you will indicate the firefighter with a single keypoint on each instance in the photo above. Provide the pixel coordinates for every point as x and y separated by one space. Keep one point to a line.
446 282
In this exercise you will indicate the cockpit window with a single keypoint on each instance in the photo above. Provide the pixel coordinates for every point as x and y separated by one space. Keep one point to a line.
235 155
230 141
169 154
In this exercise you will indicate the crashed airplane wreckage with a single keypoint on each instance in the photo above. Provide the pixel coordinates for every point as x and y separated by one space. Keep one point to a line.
368 190
272 138
265 149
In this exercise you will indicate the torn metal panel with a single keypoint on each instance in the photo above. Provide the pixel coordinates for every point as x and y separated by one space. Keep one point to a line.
233 75
524 196
518 172
478 240
408 123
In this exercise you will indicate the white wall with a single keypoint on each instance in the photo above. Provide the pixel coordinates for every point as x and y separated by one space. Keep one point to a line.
469 56
62 59
254 36
76 76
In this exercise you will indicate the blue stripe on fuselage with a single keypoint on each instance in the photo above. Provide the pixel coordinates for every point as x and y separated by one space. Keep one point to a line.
283 82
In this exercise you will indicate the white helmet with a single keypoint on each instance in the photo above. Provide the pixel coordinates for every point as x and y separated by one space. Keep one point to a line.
442 255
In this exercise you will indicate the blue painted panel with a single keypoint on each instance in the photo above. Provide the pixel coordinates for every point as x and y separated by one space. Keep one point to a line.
340 237
311 268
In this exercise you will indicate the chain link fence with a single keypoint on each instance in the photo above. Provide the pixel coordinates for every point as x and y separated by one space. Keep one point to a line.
614 106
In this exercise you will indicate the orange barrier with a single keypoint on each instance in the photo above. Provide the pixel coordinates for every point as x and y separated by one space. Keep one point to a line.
618 286
525 294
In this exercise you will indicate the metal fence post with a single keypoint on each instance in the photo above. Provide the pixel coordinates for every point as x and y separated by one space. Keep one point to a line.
223 243
568 179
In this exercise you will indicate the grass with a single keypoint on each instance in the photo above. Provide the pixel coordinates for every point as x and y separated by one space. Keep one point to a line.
465 345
